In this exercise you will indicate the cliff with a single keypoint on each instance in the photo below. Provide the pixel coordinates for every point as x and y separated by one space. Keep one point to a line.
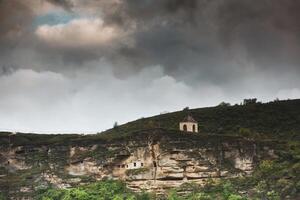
151 154
152 160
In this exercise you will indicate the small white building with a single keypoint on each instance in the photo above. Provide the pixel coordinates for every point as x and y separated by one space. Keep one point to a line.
132 165
135 164
188 124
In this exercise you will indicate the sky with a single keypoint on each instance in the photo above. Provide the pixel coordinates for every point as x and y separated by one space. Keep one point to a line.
75 66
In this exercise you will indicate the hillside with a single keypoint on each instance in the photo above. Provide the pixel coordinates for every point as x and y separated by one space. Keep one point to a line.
273 120
165 160
277 120
242 152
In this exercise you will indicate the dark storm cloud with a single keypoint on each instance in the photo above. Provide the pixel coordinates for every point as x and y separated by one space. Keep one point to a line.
16 31
66 4
181 35
269 30
264 28
202 36
154 55
14 17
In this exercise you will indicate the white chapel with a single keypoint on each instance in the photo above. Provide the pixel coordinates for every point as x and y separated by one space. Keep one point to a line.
189 124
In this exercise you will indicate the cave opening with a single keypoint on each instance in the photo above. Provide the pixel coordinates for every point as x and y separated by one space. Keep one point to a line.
154 164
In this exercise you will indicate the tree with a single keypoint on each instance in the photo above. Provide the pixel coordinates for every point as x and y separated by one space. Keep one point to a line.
173 195
235 197
250 101
245 132
152 124
224 104
1 196
186 108
116 125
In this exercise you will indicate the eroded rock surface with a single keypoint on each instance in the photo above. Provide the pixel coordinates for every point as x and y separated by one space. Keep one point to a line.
152 160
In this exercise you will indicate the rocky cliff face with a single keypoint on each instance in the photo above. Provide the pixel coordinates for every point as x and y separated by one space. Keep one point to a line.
152 160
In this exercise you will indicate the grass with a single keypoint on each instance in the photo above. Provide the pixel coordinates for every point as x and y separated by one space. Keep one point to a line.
280 120
273 120
134 172
273 124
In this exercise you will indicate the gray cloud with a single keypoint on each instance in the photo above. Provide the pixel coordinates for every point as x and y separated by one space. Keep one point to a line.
14 17
194 35
155 55
66 4
198 36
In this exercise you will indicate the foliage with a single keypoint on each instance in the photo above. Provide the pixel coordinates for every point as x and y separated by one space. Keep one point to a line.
275 180
106 190
132 172
115 125
249 101
172 195
273 120
2 196
223 190
186 108
235 197
224 104
272 179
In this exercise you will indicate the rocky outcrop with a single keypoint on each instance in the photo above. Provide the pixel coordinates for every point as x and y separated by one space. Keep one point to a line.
152 160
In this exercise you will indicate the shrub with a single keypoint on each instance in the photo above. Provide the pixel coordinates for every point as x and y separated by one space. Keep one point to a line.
173 195
2 196
235 197
133 172
224 104
101 190
200 196
249 101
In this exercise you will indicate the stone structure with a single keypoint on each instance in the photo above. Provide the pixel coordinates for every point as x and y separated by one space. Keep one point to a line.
188 124
136 164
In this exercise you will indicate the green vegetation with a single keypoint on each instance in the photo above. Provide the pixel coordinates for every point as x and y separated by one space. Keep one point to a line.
270 181
277 179
132 172
211 191
273 120
275 125
106 190
2 197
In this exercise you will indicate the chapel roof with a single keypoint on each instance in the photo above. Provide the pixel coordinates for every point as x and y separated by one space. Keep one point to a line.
189 118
